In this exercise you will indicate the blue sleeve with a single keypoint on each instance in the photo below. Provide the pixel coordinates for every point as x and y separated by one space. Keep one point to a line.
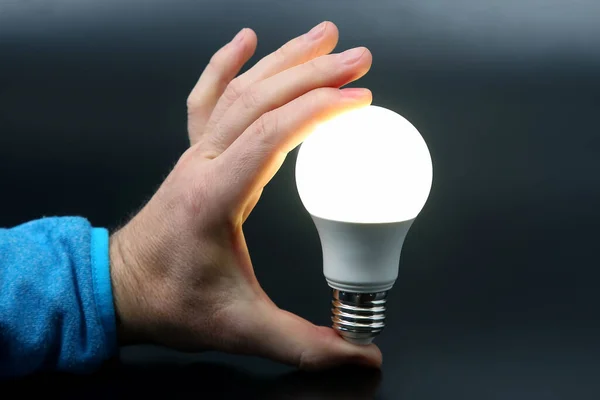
56 304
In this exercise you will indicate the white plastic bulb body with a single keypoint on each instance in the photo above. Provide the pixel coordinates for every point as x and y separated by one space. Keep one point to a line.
363 176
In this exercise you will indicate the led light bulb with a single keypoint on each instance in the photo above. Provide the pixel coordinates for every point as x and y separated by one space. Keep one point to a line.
363 176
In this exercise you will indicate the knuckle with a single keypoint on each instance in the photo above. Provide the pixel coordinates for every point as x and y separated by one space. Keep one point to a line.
218 66
318 66
261 126
219 59
191 102
187 157
266 126
305 361
212 68
323 96
282 53
251 97
233 90
195 101
215 61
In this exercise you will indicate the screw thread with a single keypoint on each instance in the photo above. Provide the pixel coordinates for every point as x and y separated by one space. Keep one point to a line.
358 317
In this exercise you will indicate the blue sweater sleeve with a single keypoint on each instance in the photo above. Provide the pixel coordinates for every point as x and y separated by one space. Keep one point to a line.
56 304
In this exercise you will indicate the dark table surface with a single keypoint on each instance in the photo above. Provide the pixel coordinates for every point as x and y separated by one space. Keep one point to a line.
418 364
497 294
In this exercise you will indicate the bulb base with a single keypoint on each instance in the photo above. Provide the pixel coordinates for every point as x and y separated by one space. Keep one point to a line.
358 317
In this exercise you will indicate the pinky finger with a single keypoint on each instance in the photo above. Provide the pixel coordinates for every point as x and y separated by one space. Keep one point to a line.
224 65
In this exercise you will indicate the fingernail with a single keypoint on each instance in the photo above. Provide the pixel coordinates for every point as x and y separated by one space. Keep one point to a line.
353 55
354 93
317 31
240 36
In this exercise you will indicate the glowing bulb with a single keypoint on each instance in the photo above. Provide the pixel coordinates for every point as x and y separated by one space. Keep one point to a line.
363 176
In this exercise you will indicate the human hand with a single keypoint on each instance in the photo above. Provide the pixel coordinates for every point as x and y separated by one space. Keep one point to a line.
182 275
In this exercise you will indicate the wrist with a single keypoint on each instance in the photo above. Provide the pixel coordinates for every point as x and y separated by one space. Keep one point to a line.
126 290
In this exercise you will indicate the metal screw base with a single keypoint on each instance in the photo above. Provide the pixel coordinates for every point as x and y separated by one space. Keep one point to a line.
358 317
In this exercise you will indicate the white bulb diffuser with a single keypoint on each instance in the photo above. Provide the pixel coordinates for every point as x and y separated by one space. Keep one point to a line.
363 176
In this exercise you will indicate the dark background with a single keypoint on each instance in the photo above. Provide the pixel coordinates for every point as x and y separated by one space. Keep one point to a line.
497 293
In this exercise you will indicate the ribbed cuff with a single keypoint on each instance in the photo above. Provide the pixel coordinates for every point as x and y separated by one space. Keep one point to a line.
103 287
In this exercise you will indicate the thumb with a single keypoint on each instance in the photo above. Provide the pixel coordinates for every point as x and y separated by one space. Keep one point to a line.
287 338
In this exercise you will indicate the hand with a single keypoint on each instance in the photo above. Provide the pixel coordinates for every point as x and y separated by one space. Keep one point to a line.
182 275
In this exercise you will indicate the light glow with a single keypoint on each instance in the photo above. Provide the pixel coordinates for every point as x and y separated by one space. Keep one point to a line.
366 165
